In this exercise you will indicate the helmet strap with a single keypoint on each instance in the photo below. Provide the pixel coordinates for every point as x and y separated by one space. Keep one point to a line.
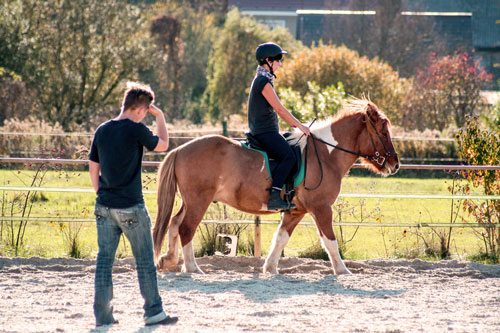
270 68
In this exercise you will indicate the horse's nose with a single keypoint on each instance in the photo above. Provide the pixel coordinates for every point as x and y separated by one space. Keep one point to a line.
396 167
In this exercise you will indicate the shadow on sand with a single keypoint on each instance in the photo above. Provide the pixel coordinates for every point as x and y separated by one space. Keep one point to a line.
264 289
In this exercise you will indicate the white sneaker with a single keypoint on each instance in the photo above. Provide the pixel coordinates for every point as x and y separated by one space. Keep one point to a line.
160 318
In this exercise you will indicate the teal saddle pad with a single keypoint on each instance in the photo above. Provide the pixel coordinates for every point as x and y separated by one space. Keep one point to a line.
297 172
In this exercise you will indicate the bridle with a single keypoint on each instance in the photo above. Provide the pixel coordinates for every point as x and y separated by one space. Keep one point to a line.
378 158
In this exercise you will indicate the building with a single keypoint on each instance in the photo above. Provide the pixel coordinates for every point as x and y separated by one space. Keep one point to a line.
463 24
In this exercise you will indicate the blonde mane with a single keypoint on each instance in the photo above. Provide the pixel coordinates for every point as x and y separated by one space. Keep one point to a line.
352 107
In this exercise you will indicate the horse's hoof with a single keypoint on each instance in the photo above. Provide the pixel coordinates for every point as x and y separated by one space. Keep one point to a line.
271 271
343 271
166 261
195 270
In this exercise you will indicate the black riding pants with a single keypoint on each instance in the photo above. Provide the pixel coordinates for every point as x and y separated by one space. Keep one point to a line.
278 148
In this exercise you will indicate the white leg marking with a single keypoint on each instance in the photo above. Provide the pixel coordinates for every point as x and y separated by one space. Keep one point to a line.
280 240
190 265
332 248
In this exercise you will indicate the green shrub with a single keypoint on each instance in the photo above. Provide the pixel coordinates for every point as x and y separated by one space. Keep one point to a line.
316 103
478 146
314 251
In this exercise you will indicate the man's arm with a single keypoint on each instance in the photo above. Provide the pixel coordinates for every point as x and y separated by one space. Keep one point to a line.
94 169
161 128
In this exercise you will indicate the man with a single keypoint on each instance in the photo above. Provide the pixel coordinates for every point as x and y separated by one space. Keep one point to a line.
115 171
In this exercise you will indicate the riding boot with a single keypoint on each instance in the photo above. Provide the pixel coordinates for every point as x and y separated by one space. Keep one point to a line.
276 203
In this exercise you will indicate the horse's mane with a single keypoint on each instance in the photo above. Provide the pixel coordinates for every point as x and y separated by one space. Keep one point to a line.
352 107
358 106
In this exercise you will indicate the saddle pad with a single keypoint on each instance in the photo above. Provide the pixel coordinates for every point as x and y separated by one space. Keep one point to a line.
299 176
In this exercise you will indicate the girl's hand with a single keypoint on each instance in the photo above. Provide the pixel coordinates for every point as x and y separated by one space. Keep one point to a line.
305 129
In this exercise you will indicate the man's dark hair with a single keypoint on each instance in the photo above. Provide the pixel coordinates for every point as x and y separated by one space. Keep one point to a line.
137 95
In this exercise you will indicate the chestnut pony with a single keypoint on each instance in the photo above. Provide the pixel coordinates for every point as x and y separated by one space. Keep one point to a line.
215 168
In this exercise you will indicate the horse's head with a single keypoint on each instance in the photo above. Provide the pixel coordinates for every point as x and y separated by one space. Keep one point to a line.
375 140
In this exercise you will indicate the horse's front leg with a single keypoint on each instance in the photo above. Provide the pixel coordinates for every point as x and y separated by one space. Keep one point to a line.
280 239
323 217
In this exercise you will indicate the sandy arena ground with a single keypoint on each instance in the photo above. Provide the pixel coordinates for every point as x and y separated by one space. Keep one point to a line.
55 295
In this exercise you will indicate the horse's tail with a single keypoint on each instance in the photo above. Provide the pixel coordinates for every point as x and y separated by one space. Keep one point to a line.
167 187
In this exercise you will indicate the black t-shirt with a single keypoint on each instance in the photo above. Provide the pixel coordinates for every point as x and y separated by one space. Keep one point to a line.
117 147
261 116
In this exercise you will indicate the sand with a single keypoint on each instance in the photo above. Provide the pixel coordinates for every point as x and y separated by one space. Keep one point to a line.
55 295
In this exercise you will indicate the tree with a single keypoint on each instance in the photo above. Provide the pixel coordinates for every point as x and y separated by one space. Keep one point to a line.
446 92
178 68
403 41
74 54
232 62
166 31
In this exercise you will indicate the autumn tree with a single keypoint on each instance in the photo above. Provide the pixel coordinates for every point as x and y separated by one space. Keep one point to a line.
183 31
446 91
327 65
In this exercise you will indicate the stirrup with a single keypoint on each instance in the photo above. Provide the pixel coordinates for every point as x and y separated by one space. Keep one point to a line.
276 203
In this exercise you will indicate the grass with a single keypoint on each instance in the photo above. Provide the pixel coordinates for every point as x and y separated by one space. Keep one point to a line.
47 239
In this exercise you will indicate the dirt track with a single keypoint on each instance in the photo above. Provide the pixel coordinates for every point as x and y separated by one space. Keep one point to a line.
55 295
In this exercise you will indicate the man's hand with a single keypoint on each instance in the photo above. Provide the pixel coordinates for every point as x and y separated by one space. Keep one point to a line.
154 110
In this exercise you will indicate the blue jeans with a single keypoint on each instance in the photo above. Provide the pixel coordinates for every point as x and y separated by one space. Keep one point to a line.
135 223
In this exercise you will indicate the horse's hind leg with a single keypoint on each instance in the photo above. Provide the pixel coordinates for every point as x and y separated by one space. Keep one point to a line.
280 239
187 229
171 258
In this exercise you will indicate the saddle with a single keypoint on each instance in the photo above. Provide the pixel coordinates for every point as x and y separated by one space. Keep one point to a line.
296 175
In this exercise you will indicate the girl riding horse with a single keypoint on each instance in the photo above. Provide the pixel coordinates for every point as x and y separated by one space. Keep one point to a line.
263 105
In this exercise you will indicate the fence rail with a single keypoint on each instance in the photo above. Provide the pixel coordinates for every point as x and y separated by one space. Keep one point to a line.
341 195
156 163
58 219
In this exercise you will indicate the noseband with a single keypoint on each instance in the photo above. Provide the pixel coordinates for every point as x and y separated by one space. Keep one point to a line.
379 159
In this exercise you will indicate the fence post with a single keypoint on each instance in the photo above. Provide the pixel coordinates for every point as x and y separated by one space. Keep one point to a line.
256 245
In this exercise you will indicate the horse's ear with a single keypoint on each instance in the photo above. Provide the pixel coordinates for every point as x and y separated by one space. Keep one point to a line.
372 112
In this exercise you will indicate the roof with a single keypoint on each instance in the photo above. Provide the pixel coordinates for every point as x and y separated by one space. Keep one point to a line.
285 5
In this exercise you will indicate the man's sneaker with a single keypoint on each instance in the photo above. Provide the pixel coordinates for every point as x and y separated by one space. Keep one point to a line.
160 319
114 321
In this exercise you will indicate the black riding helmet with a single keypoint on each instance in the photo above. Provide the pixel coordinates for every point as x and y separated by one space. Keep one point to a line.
268 50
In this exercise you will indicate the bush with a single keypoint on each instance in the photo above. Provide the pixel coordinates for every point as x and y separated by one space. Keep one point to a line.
26 145
481 147
317 103
314 251
327 65
446 92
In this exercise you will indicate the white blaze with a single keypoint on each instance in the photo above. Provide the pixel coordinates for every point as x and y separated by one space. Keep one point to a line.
325 133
